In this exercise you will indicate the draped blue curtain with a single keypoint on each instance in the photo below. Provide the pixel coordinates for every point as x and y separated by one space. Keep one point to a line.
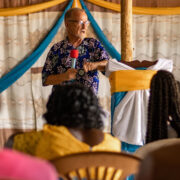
108 46
8 79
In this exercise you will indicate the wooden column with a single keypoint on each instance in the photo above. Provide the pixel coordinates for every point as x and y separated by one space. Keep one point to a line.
126 30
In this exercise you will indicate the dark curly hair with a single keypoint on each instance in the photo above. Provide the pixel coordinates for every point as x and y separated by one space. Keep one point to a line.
164 106
74 106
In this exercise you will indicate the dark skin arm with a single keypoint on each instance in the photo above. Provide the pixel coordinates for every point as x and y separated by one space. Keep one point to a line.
9 143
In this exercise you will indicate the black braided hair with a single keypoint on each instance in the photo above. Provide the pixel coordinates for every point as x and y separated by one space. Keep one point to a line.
178 82
74 106
164 106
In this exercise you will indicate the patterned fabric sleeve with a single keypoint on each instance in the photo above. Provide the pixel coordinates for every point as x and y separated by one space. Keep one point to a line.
50 64
100 53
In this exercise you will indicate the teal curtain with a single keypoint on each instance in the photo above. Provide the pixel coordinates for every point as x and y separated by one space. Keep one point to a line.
8 79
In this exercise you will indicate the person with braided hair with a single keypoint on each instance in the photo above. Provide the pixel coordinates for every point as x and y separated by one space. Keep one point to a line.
163 108
74 124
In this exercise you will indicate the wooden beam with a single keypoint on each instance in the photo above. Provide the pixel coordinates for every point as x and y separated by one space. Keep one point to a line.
126 30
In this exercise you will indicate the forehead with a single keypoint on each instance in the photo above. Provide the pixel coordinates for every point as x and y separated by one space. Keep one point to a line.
78 15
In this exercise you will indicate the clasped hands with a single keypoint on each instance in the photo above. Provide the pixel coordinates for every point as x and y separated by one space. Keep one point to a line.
88 66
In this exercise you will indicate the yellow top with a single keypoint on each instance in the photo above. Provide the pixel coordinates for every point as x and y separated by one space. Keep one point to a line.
130 80
55 141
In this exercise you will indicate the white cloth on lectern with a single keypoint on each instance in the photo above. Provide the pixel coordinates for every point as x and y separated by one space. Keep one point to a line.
130 115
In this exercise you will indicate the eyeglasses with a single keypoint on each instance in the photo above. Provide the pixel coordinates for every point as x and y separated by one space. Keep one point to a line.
80 22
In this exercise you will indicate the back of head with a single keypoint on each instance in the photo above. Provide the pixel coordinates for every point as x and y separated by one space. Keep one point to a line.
164 105
161 164
74 106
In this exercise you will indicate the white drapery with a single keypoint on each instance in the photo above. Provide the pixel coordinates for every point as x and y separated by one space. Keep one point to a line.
130 115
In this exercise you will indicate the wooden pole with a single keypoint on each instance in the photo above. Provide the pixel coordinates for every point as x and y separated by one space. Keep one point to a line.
126 30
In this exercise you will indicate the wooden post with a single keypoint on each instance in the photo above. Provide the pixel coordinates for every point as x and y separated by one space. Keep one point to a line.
126 30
